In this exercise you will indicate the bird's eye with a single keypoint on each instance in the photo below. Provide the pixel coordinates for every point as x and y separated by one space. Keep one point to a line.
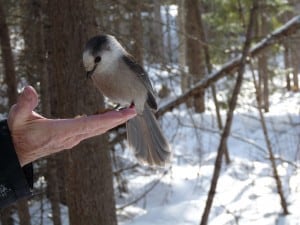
97 59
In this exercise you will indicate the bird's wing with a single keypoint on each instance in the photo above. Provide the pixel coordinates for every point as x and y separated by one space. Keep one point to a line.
134 66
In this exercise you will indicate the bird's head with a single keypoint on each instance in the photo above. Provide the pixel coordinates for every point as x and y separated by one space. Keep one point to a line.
101 53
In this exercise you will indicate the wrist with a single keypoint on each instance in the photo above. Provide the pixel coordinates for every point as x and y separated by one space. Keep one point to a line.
15 141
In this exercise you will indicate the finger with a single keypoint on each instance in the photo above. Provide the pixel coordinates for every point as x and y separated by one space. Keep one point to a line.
95 124
26 103
124 114
110 119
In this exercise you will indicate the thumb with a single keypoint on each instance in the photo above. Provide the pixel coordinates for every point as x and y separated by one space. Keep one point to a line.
27 101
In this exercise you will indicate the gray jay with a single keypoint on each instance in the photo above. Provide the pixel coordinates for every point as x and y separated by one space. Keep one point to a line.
120 78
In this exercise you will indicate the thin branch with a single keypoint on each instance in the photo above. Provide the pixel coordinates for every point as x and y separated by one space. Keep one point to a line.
232 105
269 147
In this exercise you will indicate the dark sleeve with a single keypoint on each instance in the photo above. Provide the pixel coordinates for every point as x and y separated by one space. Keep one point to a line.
15 182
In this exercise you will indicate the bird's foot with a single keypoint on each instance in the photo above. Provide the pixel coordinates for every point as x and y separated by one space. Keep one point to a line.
79 116
132 105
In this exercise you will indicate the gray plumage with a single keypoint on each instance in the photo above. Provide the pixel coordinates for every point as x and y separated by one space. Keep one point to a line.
119 77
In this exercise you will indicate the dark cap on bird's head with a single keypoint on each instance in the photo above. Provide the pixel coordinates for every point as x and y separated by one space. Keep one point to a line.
96 44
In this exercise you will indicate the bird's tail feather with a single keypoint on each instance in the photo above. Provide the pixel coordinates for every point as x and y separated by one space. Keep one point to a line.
147 140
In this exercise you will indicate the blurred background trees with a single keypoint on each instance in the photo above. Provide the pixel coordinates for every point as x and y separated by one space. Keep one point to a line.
41 45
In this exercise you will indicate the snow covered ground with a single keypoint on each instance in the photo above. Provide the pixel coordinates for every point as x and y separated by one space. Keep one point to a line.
246 192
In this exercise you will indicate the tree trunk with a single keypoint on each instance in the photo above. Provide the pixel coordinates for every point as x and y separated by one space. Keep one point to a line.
89 187
287 66
182 46
294 50
6 216
23 212
7 58
10 80
35 51
213 88
137 30
156 36
263 62
194 49
53 189
295 58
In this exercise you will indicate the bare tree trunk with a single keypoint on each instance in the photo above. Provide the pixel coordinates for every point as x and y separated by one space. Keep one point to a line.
10 80
287 65
294 49
182 46
213 88
263 61
137 30
7 57
35 51
23 212
168 31
295 58
53 187
29 54
53 190
232 105
194 49
156 39
89 187
6 216
269 147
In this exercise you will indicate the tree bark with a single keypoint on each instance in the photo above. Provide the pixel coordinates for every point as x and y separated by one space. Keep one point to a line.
137 30
287 66
35 51
213 88
232 105
87 167
6 216
11 82
182 46
295 58
194 50
294 49
263 60
7 58
156 39
23 212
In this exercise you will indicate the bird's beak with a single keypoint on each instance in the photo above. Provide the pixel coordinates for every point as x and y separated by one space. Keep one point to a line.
90 73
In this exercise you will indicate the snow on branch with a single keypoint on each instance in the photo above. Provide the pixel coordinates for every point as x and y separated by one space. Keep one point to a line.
276 36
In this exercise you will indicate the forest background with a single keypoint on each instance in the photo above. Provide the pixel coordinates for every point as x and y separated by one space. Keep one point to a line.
226 73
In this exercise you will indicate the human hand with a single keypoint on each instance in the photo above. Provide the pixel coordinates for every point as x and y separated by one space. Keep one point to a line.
35 136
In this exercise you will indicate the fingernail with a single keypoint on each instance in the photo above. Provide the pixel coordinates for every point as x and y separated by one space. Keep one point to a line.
130 112
26 94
